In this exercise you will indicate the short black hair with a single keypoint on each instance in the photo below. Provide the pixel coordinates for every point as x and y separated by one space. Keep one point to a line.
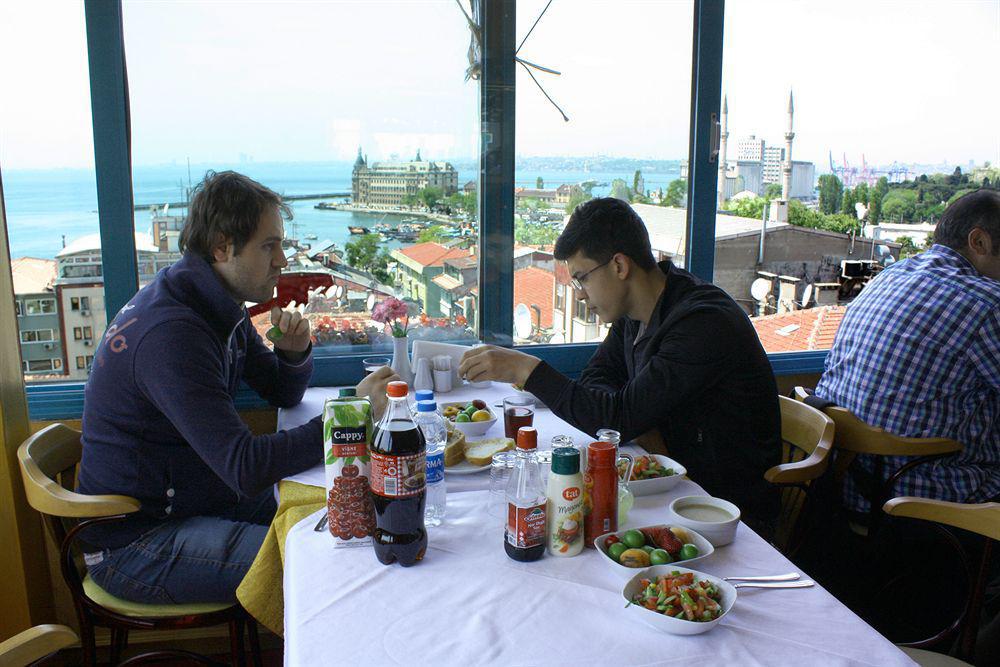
230 205
981 209
602 227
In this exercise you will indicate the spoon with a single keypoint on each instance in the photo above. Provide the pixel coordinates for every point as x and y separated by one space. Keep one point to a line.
791 576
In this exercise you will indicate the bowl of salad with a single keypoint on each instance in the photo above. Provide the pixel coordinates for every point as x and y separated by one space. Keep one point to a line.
678 600
653 473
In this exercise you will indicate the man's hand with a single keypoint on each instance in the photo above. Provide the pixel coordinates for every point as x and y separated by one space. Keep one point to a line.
290 331
499 364
373 387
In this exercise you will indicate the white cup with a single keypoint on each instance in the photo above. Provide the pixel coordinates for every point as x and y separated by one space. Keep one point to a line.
442 382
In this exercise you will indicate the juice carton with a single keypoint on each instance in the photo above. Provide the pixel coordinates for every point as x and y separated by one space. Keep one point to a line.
347 431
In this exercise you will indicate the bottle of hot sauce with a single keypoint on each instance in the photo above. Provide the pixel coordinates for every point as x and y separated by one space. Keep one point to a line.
601 491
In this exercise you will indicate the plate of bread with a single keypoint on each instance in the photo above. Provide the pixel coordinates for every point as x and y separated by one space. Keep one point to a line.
462 457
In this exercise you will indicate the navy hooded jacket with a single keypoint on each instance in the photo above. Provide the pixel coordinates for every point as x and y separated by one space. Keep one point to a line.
159 419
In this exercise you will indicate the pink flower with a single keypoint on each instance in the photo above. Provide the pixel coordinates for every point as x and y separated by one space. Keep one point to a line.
389 312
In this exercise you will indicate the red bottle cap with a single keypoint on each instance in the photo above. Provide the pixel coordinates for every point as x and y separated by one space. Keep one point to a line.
527 437
602 454
397 389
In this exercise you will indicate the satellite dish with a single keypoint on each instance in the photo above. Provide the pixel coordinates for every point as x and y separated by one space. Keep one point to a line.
371 301
338 291
557 339
760 288
807 295
522 321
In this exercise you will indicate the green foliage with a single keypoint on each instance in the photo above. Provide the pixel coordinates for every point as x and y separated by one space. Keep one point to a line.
461 201
798 215
907 248
861 193
620 190
433 234
747 208
430 196
409 201
539 183
772 191
831 192
577 198
847 203
364 254
635 182
899 205
533 233
875 207
675 194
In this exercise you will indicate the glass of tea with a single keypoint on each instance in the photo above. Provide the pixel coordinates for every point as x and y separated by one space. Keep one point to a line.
517 412
372 364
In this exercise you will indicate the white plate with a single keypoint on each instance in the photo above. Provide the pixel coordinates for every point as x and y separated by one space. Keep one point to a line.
705 549
676 626
645 487
464 468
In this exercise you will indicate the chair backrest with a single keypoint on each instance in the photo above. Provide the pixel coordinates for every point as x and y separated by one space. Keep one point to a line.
807 438
48 461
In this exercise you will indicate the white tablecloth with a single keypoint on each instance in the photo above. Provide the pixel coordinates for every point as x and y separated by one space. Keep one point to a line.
468 603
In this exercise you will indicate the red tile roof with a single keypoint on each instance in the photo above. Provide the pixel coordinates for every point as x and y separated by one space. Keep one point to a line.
432 254
809 329
535 286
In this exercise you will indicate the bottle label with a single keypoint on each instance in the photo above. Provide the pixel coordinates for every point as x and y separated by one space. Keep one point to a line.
435 468
398 476
525 525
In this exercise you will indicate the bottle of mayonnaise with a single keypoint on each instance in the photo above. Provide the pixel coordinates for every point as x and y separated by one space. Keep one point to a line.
564 503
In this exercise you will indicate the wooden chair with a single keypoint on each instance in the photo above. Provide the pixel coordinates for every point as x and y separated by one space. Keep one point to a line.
853 436
35 643
48 461
807 438
983 519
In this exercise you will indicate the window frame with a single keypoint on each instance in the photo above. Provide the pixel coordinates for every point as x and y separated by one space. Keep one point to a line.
108 84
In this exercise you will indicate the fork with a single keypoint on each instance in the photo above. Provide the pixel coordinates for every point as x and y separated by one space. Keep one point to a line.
321 526
780 584
791 576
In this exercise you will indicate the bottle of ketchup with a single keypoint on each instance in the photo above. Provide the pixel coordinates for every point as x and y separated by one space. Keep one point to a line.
600 492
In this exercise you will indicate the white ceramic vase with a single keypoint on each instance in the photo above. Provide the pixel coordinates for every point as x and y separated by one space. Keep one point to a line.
401 359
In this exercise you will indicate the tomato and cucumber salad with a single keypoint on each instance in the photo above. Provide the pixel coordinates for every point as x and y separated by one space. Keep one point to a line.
680 596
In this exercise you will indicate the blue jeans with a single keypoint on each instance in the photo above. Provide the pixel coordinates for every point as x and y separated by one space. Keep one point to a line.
198 559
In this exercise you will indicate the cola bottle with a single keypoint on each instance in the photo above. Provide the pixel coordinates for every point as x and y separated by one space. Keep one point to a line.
398 482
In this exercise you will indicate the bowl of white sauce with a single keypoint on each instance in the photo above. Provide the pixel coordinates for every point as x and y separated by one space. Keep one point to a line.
714 518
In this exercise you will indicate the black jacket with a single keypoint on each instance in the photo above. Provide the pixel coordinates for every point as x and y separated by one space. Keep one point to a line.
699 375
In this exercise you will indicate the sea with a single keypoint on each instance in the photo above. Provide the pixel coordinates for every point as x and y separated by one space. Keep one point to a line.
48 209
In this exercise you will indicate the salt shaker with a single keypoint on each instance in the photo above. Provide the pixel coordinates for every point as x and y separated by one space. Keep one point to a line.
422 378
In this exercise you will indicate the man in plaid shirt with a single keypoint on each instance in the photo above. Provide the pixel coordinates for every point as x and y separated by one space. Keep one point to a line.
918 354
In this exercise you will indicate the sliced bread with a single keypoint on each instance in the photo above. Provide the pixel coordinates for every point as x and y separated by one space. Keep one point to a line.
454 450
480 452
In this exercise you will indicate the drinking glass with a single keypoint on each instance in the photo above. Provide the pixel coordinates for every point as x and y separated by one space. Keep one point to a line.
500 468
372 364
517 412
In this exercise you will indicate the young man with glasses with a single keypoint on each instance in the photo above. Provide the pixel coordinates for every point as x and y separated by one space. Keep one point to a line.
681 368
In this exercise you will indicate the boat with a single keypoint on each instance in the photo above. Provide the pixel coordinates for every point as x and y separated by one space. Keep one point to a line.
311 237
357 230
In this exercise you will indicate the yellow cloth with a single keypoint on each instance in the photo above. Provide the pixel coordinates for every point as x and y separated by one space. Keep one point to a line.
261 592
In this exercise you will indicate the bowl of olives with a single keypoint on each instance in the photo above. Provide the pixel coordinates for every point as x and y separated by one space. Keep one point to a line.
473 418
627 550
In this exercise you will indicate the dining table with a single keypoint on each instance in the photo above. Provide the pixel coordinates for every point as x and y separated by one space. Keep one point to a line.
467 602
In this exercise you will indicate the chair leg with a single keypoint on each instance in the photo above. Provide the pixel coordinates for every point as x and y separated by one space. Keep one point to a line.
88 643
254 637
236 642
119 640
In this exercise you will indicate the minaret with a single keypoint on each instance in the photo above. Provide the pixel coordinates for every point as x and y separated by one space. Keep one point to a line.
786 168
723 136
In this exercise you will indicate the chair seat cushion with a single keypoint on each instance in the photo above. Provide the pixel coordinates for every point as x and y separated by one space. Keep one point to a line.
932 659
139 609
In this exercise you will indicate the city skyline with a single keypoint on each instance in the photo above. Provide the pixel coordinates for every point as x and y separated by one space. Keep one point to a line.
301 99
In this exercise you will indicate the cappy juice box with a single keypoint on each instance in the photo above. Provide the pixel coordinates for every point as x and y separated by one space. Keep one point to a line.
347 431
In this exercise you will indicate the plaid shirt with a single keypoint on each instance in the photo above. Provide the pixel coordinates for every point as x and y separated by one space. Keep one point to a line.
918 354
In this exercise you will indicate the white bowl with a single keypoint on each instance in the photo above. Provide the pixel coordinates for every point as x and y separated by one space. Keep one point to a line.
676 626
472 429
705 549
719 532
645 487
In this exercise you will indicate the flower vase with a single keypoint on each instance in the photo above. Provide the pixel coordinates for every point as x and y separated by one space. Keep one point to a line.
401 359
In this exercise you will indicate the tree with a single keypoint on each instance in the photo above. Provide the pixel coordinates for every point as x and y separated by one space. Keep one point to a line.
899 204
907 248
847 203
956 176
773 191
539 183
433 234
533 233
619 190
861 193
531 203
363 254
676 193
575 199
831 192
875 207
638 187
430 196
752 207
409 201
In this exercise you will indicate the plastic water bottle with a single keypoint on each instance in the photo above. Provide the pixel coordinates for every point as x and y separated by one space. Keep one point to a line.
420 395
436 433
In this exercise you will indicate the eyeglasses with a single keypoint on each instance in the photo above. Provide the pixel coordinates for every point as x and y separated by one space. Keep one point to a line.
577 281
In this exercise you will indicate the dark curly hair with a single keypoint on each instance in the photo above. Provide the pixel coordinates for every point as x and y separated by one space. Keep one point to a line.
226 205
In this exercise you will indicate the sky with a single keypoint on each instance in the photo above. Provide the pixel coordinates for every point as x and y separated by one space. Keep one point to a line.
311 81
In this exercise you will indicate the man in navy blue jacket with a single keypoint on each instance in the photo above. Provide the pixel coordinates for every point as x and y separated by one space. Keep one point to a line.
159 421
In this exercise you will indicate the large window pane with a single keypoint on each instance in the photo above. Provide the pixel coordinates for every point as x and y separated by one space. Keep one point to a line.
50 195
877 149
625 85
357 112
